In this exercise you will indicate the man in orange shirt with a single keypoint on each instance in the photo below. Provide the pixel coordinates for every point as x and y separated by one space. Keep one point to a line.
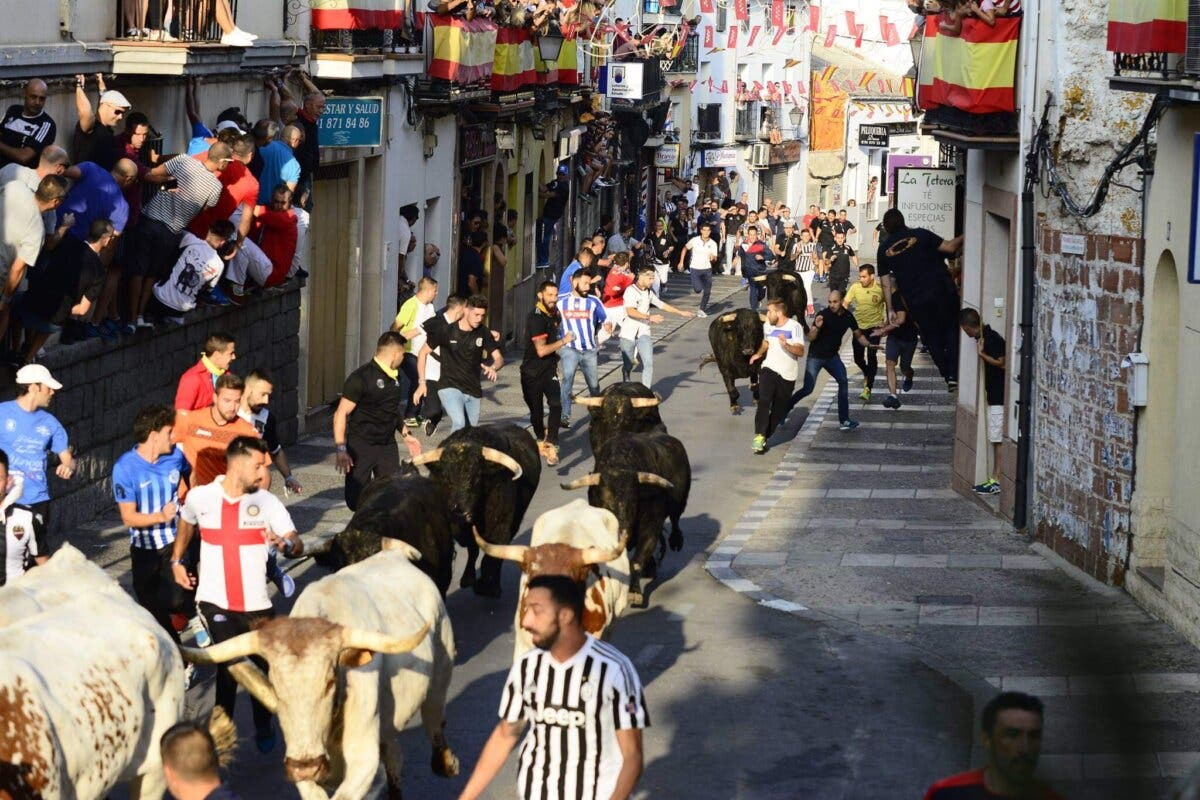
204 434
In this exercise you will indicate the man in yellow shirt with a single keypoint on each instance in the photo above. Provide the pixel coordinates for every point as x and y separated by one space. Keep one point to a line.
865 298
409 323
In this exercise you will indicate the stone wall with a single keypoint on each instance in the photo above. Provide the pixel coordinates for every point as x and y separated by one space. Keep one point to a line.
1088 316
106 383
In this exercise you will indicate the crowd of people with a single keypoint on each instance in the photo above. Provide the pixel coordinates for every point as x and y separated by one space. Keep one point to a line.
108 236
951 13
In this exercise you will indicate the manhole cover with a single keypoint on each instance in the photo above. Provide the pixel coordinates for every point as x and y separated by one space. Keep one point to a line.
944 599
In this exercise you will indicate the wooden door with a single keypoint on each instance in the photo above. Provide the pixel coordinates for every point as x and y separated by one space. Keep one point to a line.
332 217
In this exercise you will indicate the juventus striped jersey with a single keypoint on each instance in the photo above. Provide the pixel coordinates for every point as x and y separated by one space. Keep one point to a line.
574 710
581 316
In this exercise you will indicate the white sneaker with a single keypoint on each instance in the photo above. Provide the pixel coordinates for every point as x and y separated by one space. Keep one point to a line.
247 34
141 323
701 314
233 39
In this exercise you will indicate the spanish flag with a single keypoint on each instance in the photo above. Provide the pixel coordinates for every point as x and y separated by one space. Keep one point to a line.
976 71
1147 26
867 77
828 73
513 66
565 71
462 49
357 14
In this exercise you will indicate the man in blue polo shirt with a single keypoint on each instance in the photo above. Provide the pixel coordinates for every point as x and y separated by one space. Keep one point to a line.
582 313
146 489
28 433
584 260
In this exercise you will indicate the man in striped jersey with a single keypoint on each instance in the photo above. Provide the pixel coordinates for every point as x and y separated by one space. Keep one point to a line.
146 488
582 313
583 700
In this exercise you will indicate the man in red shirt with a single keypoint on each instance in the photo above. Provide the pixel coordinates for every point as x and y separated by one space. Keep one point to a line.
276 232
239 190
1012 735
196 385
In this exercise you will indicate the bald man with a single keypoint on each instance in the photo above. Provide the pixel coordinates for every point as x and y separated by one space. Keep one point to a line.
54 161
27 129
98 193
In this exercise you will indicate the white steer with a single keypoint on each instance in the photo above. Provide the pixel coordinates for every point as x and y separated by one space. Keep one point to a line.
338 705
579 541
88 684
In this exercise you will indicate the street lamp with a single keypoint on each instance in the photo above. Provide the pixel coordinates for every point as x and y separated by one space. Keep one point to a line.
550 44
796 116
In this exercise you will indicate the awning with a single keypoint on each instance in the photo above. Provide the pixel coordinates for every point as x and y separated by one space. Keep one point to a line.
357 14
1147 26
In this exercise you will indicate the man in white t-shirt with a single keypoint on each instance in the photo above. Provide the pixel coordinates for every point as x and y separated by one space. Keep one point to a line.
703 249
238 522
635 328
199 266
781 351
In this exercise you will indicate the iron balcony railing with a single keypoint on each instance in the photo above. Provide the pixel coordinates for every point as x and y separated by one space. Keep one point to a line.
688 60
372 40
748 121
190 21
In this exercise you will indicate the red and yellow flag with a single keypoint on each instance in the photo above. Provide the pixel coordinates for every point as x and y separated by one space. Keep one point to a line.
565 71
974 72
462 49
357 14
513 67
1147 26
828 122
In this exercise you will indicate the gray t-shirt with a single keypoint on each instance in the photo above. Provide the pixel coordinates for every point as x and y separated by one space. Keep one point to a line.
197 190
23 231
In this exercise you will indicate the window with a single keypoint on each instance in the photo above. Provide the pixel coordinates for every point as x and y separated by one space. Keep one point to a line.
722 13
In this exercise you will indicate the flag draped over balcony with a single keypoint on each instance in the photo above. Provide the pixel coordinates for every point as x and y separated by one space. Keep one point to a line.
565 71
1147 26
462 49
514 65
357 14
974 72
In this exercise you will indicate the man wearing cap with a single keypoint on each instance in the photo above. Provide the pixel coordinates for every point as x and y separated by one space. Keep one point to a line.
28 432
556 193
95 134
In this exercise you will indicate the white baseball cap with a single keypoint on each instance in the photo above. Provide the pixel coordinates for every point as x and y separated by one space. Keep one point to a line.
36 373
115 98
228 124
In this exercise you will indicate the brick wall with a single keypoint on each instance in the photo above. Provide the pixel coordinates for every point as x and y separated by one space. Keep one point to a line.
1088 315
105 384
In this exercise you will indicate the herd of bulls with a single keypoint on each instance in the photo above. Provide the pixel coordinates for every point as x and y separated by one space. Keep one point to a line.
366 647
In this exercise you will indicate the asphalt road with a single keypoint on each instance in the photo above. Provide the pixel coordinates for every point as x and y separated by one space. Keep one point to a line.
745 701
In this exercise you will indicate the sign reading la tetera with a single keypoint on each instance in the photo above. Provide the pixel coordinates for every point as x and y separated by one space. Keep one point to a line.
927 198
351 122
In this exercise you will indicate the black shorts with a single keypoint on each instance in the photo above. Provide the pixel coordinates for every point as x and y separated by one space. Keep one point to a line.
896 349
152 251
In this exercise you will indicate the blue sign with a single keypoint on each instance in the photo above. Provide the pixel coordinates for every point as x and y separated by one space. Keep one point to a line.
351 122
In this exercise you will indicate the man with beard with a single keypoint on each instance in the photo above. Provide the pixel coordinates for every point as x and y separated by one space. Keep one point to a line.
602 713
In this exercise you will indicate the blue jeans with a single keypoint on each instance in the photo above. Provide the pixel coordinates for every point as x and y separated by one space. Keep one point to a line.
463 409
644 346
702 285
837 371
545 237
572 360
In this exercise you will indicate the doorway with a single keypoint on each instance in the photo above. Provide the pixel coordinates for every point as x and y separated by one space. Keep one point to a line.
333 211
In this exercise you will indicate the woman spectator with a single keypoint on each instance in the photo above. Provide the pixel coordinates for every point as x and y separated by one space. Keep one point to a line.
501 241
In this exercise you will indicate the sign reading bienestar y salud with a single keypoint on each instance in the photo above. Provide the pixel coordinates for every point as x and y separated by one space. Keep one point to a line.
351 122
927 198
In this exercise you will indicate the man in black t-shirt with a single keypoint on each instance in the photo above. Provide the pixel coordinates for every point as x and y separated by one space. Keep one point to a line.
901 345
733 216
95 134
911 260
786 247
462 348
368 416
27 129
539 379
826 335
842 224
992 352
470 263
822 228
841 257
556 194
432 409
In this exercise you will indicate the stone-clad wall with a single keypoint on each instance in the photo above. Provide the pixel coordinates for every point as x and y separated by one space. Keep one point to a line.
106 383
1089 313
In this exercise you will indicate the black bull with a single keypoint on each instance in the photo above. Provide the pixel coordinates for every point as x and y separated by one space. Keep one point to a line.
489 475
734 338
786 285
643 479
621 408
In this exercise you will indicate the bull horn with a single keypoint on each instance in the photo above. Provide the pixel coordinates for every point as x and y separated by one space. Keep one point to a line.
503 459
507 552
238 647
251 678
381 643
591 479
426 458
787 276
644 402
654 480
589 402
598 555
759 278
727 318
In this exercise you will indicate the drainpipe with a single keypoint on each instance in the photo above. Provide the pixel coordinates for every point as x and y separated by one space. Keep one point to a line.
1025 396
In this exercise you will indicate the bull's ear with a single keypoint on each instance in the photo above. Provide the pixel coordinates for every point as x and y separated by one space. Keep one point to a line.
355 657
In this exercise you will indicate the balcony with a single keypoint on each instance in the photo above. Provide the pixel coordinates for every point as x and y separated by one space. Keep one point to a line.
960 108
688 59
748 121
1153 55
660 12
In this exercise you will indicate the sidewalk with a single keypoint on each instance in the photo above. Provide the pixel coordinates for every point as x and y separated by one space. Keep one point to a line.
859 529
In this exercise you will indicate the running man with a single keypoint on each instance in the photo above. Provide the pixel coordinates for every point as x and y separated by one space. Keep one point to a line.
901 345
463 346
865 299
826 335
781 351
635 327
539 367
582 700
703 255
582 314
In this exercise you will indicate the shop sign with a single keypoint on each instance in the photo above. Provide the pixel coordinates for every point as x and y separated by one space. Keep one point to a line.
895 160
873 136
506 139
786 153
724 157
623 81
351 122
928 198
476 144
900 128
667 156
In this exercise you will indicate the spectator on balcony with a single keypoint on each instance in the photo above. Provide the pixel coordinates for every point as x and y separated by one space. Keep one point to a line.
63 288
53 161
278 160
22 231
988 10
198 267
27 129
196 385
555 196
95 133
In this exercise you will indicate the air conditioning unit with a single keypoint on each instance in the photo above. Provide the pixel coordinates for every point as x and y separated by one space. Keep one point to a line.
1191 59
760 155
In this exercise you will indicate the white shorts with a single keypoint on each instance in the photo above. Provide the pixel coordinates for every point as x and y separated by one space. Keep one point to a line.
995 424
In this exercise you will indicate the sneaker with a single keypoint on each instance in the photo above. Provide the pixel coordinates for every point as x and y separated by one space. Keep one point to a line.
866 394
99 332
412 422
112 326
216 297
430 427
994 487
128 329
285 583
891 401
233 39
564 423
142 323
986 487
952 385
906 386
849 425
759 445
700 313
551 453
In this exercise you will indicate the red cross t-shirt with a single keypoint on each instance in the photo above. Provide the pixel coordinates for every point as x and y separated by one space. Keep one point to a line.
233 544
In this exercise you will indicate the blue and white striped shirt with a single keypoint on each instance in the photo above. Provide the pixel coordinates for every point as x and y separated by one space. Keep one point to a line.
581 316
150 487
